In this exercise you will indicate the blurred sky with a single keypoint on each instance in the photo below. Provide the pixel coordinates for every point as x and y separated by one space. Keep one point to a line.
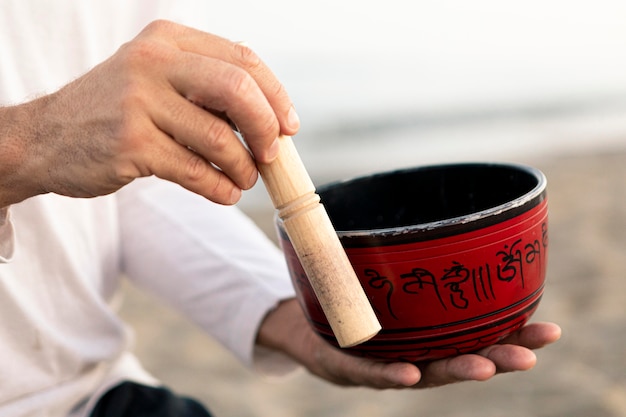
383 84
362 56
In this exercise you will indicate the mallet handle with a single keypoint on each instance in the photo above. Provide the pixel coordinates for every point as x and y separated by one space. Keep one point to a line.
315 241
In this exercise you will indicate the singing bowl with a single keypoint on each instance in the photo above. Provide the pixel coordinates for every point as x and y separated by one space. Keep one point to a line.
451 257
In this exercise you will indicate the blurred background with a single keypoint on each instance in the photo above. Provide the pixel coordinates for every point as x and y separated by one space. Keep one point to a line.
385 85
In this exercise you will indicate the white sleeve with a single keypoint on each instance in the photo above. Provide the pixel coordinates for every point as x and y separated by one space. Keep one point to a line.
7 236
210 262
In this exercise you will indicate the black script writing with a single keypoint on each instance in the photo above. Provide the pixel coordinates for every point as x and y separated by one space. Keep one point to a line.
453 277
377 281
418 279
512 263
460 284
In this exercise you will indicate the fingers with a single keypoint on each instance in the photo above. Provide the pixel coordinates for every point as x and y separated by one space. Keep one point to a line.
340 368
239 54
174 162
204 84
401 375
161 106
510 358
228 77
535 335
512 354
481 366
222 87
470 367
207 135
343 369
456 369
273 90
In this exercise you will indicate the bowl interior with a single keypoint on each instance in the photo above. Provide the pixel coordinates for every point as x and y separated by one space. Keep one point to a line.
425 195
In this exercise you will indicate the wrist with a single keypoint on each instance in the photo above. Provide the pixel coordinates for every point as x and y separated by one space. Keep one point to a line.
281 327
18 156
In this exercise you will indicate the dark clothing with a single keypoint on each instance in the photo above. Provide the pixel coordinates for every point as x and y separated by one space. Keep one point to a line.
134 400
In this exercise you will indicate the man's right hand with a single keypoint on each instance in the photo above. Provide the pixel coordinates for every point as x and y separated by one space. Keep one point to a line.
163 105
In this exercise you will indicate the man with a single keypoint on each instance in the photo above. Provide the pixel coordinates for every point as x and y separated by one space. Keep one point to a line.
90 189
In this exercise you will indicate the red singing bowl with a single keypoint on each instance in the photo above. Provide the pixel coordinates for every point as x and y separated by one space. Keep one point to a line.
451 257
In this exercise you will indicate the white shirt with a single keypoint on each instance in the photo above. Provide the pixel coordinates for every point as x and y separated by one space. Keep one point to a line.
62 259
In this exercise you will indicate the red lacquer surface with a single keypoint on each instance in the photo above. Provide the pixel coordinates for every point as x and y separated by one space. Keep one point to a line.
442 297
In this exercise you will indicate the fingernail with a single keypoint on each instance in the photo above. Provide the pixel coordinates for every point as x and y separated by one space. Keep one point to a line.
272 152
253 178
293 121
235 195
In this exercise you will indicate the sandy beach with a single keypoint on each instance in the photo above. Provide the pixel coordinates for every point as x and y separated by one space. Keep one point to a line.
584 374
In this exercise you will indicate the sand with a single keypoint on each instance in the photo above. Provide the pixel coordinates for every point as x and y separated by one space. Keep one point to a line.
584 374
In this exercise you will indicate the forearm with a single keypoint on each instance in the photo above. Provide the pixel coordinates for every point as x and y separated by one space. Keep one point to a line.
285 329
208 261
18 155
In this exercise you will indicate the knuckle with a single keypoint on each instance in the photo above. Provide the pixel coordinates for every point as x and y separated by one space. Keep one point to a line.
152 49
142 53
158 27
239 83
125 173
217 189
132 100
127 129
245 169
246 57
222 190
219 135
269 127
263 132
195 168
279 90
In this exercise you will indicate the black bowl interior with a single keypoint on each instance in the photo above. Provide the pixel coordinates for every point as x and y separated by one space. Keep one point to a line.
423 195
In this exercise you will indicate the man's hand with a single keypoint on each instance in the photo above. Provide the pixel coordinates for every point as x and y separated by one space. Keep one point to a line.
286 329
163 105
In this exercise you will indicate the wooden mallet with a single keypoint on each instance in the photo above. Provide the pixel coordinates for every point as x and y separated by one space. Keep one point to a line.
318 248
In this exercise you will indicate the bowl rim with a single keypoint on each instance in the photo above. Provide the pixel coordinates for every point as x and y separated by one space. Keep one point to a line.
447 226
